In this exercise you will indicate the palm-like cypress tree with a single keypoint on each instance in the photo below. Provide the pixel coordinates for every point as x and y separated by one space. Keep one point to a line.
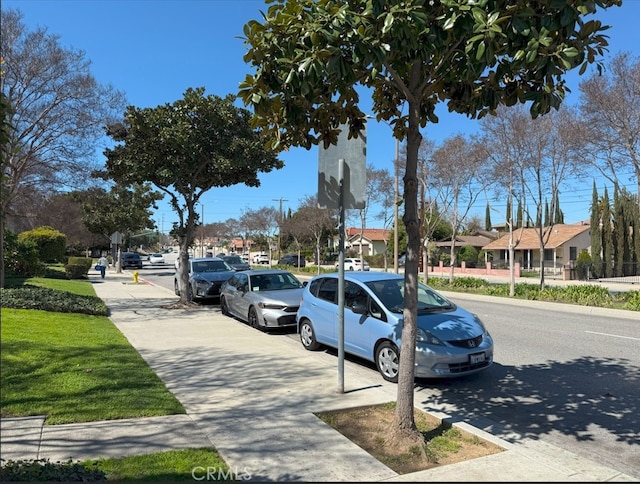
596 233
547 221
607 236
487 218
558 216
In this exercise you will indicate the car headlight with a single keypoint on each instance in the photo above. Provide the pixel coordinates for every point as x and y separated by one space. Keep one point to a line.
426 337
270 306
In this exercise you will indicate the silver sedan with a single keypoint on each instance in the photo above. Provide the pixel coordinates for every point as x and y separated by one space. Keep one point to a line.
263 298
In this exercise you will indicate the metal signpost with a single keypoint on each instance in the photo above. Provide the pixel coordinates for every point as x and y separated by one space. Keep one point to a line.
342 185
116 241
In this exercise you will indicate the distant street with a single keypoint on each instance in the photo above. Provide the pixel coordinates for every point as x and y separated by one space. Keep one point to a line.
570 378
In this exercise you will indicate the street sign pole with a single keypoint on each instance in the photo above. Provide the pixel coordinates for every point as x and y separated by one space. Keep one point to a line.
342 185
341 237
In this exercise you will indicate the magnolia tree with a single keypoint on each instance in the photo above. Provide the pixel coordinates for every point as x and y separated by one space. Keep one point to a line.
184 149
311 59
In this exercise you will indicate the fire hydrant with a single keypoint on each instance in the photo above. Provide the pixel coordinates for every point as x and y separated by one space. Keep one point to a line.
135 277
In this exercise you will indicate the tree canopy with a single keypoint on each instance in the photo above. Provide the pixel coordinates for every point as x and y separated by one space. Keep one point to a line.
186 148
56 111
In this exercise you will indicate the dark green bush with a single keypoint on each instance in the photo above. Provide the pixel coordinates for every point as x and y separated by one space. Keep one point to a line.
75 271
20 257
45 299
41 470
469 255
583 265
78 267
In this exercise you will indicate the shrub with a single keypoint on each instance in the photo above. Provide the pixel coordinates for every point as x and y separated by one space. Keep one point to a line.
632 300
45 299
20 257
583 264
41 470
587 295
78 267
75 271
469 255
50 242
469 282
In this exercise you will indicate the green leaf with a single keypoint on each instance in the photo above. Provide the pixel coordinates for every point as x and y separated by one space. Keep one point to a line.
388 22
570 52
480 52
450 22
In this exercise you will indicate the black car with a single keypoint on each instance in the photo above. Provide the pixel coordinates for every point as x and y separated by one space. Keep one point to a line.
236 262
206 276
292 260
130 259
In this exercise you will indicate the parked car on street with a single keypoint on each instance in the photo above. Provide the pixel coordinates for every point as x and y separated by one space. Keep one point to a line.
353 264
292 260
451 341
156 259
263 298
236 262
130 259
206 276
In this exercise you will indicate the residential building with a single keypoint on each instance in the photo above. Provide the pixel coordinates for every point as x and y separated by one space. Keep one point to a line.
563 243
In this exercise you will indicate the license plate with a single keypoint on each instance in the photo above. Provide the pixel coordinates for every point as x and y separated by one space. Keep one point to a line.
476 358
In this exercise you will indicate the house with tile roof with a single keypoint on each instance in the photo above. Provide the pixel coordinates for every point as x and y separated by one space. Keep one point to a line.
371 240
563 244
477 240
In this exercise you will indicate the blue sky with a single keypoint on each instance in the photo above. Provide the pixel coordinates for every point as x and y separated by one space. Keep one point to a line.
153 50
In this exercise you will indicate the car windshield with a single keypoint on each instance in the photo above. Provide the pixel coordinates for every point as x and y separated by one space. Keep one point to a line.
233 260
274 282
391 294
210 266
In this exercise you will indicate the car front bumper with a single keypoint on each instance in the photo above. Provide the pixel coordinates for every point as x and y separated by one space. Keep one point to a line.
452 361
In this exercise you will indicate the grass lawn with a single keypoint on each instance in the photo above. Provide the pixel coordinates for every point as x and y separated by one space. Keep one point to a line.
75 368
78 368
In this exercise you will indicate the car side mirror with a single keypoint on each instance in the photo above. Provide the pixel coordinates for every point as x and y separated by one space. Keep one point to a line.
359 308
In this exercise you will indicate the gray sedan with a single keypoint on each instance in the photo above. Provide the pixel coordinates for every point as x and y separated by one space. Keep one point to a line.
263 298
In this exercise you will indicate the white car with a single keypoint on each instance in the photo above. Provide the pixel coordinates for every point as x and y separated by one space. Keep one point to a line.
156 258
353 264
261 259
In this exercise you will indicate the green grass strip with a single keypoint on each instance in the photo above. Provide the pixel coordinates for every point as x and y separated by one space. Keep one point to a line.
75 368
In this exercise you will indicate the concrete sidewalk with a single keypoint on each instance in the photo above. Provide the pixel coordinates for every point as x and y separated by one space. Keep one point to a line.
253 396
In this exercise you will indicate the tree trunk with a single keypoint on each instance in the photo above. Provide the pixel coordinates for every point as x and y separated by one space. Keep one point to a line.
404 423
2 249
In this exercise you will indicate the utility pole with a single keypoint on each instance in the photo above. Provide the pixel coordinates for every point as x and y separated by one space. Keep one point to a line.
279 221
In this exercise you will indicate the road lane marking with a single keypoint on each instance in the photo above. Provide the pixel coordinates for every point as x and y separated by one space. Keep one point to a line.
613 335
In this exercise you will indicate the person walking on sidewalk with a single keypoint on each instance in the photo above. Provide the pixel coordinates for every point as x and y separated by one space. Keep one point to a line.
103 263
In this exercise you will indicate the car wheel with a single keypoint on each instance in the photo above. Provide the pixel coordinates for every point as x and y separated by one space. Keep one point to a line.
176 288
350 268
224 309
387 361
252 319
308 337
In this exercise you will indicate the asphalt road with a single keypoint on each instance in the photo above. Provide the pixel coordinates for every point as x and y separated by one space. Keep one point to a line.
562 375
